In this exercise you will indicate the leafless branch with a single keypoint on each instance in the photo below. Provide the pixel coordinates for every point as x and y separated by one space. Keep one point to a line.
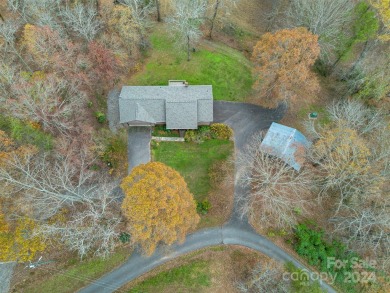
50 102
325 18
276 191
82 20
264 279
188 15
356 116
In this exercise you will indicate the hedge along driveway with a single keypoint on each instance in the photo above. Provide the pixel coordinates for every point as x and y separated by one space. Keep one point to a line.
226 69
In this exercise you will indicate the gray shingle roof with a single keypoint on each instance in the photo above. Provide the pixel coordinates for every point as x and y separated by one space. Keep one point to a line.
180 107
182 115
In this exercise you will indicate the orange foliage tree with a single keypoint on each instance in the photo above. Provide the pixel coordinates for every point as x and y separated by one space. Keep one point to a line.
157 205
282 65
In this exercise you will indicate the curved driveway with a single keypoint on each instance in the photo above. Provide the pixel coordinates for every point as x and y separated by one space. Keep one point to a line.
245 119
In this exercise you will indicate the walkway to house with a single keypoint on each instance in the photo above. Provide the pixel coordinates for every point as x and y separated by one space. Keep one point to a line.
245 119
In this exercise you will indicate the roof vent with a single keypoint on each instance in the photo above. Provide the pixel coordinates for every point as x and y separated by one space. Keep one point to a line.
178 83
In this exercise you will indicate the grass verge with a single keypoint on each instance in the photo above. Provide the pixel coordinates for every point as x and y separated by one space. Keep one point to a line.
213 269
226 69
191 277
77 275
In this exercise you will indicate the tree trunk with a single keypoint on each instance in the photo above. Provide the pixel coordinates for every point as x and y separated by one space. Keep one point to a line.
188 48
21 59
142 42
272 16
349 47
214 17
158 10
363 54
333 66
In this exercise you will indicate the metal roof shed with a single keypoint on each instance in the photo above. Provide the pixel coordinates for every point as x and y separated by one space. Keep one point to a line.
287 144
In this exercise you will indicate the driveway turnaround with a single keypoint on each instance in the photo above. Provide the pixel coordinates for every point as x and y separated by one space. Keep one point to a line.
138 145
246 120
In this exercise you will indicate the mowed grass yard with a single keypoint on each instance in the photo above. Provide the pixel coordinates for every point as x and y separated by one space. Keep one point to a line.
212 63
193 161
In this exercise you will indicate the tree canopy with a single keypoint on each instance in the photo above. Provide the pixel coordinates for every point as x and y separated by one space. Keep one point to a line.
283 62
17 242
158 206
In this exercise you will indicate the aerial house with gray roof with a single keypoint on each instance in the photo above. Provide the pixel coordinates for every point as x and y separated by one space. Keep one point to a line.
178 105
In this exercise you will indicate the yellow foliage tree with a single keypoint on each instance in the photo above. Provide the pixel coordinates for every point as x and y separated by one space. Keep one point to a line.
343 156
16 241
383 8
122 22
34 44
158 206
19 244
282 65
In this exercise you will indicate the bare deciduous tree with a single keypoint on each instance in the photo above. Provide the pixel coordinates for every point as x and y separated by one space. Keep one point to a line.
8 30
325 18
264 279
277 193
188 16
226 5
49 186
366 225
275 16
51 102
95 228
141 11
82 20
356 116
34 11
7 79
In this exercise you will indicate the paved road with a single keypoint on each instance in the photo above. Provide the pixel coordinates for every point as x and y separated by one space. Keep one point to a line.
138 145
245 119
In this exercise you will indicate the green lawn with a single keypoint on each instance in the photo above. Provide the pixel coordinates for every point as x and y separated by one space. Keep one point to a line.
24 133
323 117
191 277
213 63
77 275
193 161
